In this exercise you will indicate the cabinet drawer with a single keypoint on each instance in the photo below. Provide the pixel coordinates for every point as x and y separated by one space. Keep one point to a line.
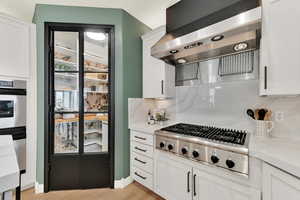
142 162
142 137
142 149
142 177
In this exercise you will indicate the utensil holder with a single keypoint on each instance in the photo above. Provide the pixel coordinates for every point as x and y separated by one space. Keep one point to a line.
264 128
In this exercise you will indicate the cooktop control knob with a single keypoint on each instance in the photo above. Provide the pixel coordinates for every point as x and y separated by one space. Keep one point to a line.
162 144
195 154
230 164
170 147
214 159
184 150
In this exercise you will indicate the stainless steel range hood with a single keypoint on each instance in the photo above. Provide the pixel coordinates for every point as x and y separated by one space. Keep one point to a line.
233 35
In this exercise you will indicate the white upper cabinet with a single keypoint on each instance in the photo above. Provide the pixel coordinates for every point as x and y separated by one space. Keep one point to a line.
16 49
278 185
158 77
280 48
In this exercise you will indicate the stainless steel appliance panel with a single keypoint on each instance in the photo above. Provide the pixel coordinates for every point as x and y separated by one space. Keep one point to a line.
20 148
18 117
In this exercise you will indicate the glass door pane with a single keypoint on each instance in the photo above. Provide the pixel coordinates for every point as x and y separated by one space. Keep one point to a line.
66 51
66 92
96 95
66 131
96 92
95 133
96 51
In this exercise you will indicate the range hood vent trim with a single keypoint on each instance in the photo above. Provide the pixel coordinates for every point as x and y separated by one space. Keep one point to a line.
244 22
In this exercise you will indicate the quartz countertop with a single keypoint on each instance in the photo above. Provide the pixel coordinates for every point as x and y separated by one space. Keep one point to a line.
144 127
281 153
9 169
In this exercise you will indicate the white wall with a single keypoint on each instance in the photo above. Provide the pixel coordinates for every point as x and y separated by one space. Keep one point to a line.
152 15
21 9
28 179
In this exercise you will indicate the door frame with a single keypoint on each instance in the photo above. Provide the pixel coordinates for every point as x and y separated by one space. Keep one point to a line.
48 26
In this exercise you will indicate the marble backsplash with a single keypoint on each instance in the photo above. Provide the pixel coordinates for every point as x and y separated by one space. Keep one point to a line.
138 109
223 105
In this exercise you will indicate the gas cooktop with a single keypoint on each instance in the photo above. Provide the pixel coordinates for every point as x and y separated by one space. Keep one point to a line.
211 133
225 148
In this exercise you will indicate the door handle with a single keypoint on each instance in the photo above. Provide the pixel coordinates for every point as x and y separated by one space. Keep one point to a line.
194 184
266 78
143 150
162 86
188 182
140 161
141 138
142 177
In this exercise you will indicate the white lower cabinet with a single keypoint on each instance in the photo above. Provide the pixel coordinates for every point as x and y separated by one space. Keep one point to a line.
173 180
278 185
143 177
141 156
142 162
210 187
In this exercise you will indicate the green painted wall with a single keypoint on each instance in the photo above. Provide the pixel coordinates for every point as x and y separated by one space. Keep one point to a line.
132 74
128 70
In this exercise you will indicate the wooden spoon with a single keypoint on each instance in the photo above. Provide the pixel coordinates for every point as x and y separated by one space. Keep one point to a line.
256 115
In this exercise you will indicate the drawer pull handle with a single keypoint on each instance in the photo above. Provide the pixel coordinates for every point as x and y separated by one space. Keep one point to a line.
143 150
142 177
140 161
141 138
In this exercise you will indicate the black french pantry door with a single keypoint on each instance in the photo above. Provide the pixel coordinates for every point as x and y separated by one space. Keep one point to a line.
79 106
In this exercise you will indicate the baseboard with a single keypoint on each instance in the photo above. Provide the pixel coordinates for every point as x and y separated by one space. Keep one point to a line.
28 186
119 184
39 188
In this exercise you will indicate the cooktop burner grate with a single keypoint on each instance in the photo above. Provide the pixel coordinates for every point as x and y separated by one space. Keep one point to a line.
212 133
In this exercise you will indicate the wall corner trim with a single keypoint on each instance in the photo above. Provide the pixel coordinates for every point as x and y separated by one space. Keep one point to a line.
119 184
38 188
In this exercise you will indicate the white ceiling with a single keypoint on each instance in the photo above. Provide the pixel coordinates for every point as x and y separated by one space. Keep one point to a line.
150 12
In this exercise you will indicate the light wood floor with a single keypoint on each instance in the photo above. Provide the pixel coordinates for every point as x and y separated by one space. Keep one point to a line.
133 191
